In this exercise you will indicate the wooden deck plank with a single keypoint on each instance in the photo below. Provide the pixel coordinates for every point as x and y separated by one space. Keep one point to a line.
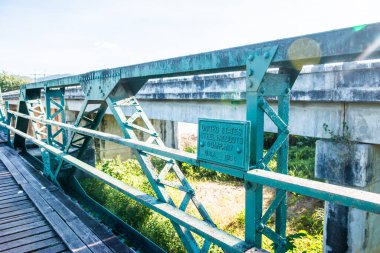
35 246
16 208
52 249
27 233
20 222
37 212
100 230
12 196
7 184
62 229
75 224
27 210
15 203
27 240
9 187
23 228
14 199
6 180
9 191
19 217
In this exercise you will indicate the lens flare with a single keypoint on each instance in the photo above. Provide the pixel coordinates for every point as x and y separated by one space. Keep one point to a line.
304 51
370 49
358 28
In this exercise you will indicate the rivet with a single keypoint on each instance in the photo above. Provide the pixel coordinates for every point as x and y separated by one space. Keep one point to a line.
251 57
283 242
260 227
158 180
202 144
266 55
250 72
262 90
238 150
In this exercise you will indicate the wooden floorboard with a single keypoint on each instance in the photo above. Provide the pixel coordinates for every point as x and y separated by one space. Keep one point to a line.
36 216
19 217
35 246
22 227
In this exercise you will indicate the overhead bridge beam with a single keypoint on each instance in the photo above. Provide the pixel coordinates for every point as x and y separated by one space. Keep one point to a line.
332 46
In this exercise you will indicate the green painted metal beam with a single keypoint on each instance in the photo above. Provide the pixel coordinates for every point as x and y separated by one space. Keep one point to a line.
332 46
363 200
226 241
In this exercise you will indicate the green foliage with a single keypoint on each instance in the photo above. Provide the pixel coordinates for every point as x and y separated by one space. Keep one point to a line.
201 174
291 239
161 231
310 221
301 161
152 225
130 173
11 82
304 229
298 242
344 137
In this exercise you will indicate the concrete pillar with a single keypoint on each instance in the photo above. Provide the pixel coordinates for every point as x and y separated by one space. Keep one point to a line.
105 150
346 229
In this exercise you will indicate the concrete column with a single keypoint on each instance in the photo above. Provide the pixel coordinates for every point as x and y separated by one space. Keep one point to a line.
349 230
106 150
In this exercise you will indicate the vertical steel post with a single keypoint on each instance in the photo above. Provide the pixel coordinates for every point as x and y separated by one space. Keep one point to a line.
282 167
256 67
253 193
50 96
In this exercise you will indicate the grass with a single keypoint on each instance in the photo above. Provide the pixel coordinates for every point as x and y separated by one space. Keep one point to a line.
305 216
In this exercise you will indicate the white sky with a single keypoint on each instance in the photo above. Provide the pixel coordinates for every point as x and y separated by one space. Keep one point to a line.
76 36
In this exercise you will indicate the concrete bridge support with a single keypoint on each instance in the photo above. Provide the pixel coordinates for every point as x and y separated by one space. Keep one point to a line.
348 230
103 150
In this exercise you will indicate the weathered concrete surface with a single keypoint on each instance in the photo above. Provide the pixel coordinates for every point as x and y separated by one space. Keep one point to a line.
167 130
356 165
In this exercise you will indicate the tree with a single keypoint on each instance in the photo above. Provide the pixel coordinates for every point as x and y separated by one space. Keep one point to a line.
10 82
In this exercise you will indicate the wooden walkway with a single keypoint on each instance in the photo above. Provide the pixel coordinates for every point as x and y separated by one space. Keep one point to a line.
36 216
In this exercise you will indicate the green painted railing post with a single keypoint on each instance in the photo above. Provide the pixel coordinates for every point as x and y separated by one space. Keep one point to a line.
282 165
256 68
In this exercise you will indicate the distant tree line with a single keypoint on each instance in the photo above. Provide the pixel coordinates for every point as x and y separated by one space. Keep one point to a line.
10 82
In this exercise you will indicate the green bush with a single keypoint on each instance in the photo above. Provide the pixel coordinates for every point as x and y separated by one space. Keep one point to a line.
301 161
160 230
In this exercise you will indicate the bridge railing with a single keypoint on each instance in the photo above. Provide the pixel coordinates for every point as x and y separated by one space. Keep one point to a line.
231 147
363 200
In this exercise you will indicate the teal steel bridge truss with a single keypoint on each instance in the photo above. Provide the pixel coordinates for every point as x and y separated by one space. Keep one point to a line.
63 145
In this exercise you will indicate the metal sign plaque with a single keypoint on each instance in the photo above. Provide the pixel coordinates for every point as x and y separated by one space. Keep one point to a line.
223 142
